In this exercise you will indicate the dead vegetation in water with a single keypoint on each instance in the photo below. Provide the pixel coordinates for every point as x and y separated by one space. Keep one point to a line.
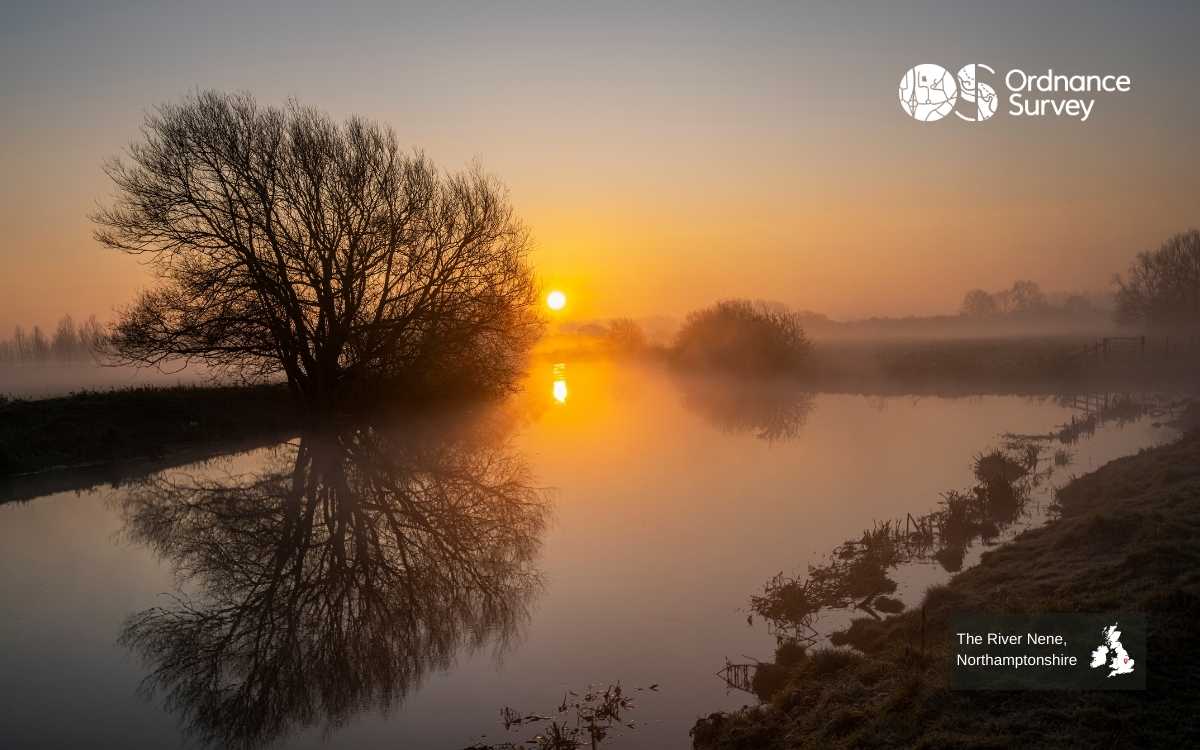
1127 541
1098 409
858 573
579 721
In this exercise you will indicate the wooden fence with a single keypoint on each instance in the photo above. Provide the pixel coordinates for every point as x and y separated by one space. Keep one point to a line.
1134 348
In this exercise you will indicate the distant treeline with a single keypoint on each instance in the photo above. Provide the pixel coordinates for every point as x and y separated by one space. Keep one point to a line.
1160 291
1023 298
68 342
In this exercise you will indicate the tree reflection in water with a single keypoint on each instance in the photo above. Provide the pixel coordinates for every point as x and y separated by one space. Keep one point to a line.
333 580
772 409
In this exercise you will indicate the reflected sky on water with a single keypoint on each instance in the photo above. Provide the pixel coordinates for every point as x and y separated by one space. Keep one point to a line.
397 585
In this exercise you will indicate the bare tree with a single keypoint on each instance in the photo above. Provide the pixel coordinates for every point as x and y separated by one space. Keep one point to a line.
626 336
20 343
288 243
65 344
39 346
1025 297
978 303
1163 286
91 335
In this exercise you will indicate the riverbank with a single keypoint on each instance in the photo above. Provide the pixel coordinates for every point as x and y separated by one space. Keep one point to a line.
950 366
90 429
1128 540
94 428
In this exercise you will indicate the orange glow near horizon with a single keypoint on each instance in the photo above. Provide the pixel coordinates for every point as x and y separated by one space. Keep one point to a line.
730 181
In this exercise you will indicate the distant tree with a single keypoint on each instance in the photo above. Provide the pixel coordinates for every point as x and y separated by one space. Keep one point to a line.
1026 297
739 336
39 346
289 243
624 335
65 344
20 343
978 304
1162 286
91 335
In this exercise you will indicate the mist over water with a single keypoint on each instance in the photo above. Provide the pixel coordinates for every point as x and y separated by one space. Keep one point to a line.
671 501
49 379
535 403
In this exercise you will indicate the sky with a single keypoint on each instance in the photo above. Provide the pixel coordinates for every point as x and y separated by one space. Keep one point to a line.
664 155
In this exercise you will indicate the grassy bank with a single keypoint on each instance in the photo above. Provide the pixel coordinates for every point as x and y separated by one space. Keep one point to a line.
95 428
944 366
996 365
1128 540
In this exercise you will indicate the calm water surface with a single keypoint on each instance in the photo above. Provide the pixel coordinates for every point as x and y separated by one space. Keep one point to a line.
397 587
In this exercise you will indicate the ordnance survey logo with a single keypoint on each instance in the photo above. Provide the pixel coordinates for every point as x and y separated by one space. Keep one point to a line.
929 92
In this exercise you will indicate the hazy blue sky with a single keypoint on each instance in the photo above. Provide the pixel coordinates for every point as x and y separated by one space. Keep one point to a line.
664 156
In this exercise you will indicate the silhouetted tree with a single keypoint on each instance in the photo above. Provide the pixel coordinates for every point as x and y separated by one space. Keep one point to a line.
66 342
739 336
1023 297
20 343
978 303
625 335
1163 286
288 243
91 335
38 344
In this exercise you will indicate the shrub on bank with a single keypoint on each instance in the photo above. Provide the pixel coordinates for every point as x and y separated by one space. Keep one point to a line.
745 338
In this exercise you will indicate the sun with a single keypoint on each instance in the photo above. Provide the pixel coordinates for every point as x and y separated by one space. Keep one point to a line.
556 300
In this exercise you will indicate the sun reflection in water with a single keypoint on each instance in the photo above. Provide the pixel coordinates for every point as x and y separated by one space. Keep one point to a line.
559 389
